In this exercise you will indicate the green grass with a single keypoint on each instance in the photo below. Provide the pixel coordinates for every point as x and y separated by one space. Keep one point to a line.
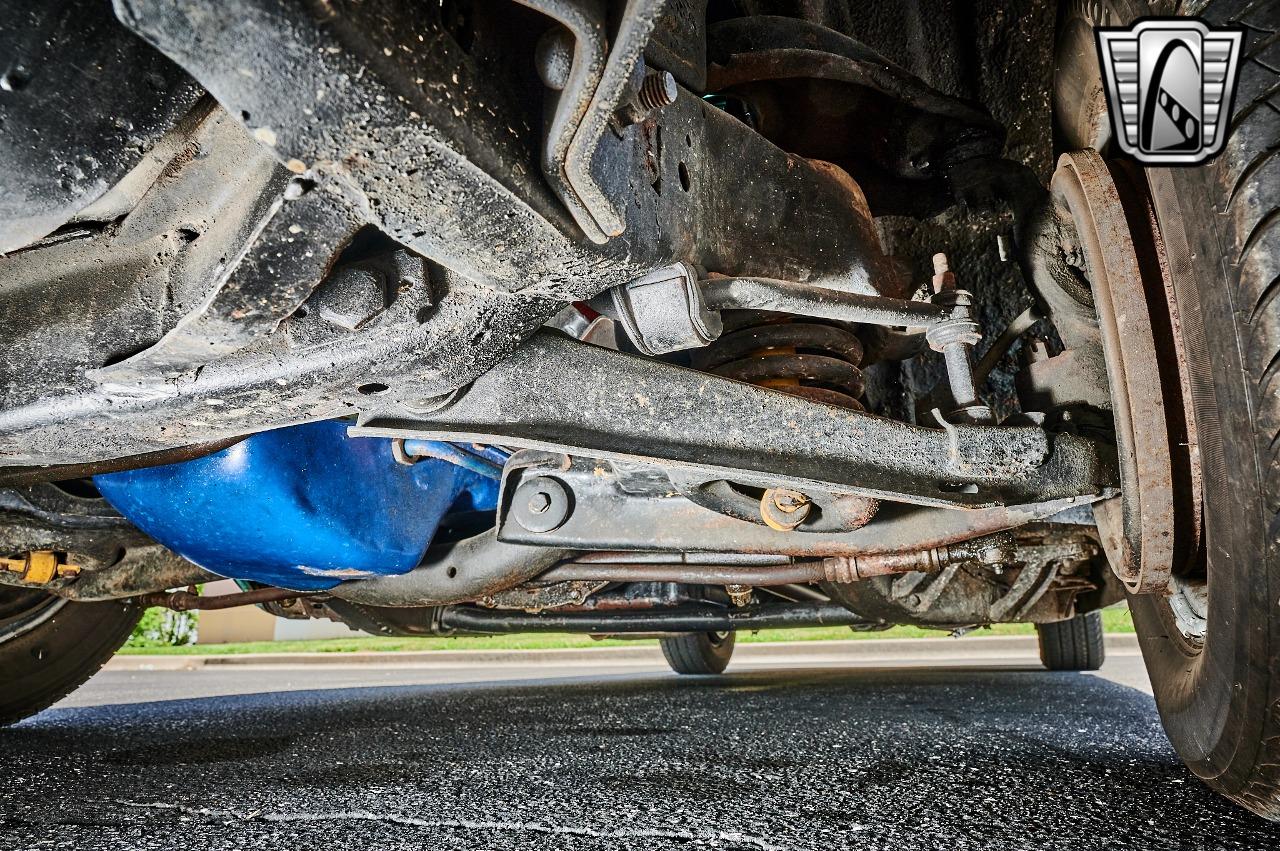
1116 619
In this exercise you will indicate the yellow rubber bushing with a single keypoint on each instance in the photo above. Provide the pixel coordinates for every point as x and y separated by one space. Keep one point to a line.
42 566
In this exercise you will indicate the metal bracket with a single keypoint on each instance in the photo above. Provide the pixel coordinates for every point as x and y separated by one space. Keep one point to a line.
571 59
588 88
609 507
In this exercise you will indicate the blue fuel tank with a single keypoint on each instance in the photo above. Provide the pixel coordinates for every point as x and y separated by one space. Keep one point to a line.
303 508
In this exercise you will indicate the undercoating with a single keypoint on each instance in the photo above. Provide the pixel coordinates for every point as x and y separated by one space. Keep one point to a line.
368 140
357 144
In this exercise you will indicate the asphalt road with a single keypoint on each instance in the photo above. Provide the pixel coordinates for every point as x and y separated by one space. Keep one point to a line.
996 753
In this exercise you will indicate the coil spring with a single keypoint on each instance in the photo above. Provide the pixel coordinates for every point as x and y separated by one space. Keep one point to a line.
802 357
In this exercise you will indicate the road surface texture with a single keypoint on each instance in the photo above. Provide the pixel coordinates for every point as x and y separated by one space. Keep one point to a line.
984 751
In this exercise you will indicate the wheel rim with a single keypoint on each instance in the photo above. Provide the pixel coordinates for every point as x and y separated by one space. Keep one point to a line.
1189 607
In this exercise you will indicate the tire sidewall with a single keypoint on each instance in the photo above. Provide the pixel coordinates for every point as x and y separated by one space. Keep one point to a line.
44 664
1214 700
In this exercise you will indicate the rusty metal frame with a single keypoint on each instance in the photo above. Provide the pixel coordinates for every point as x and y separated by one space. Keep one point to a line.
560 395
368 140
638 510
585 21
185 601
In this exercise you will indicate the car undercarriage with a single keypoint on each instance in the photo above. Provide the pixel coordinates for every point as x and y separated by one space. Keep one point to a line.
643 318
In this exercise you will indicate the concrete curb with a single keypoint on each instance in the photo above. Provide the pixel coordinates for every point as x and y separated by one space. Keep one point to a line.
797 652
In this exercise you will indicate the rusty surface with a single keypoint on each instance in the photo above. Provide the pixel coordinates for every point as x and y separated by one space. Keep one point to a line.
625 510
1172 255
784 509
183 601
1038 580
857 568
142 570
821 362
701 574
16 476
437 149
825 95
843 569
597 403
48 516
551 595
991 550
781 352
637 596
1141 543
679 43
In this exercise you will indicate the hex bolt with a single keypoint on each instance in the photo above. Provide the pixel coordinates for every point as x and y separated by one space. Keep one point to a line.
955 338
541 504
659 89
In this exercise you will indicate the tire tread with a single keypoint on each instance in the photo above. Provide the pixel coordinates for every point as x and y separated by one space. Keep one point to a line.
1073 645
694 654
81 639
1252 213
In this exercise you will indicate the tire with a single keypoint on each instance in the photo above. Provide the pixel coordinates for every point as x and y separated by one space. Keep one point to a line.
50 646
1212 649
1072 645
700 653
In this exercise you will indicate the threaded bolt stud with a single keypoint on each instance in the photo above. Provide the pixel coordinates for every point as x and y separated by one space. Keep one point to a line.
658 90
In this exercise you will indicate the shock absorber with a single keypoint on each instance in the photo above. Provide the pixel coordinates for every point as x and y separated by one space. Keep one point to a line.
804 357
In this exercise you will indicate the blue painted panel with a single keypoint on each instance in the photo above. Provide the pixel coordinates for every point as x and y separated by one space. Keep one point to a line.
302 507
